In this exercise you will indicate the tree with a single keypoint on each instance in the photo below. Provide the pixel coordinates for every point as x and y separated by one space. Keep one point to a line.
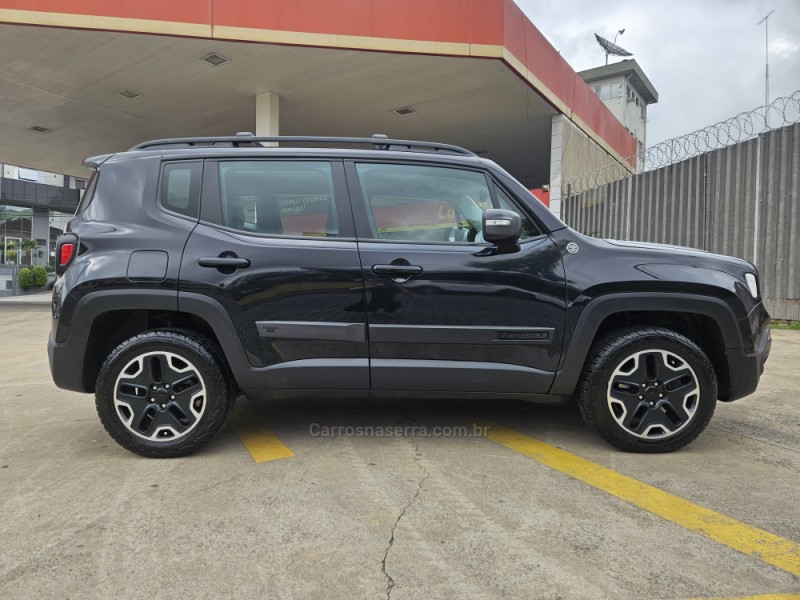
31 248
11 252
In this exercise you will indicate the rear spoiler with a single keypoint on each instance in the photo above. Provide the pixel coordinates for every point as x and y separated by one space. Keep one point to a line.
95 161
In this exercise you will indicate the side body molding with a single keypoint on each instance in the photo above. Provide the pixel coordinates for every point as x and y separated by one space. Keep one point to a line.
320 373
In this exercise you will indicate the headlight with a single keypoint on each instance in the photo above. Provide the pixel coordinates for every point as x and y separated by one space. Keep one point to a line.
752 284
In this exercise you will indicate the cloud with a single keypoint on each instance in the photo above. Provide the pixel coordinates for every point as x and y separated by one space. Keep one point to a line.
706 59
784 48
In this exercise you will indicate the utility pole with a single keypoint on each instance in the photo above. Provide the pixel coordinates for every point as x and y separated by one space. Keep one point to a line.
766 48
759 147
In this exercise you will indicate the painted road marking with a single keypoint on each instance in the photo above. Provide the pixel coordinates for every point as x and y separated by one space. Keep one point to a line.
759 597
770 548
261 443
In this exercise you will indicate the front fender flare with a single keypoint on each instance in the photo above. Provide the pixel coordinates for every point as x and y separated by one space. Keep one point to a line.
585 331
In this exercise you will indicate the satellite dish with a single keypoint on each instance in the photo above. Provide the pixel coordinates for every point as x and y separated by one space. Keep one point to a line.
610 47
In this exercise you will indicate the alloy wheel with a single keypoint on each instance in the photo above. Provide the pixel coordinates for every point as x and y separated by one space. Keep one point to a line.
160 396
653 394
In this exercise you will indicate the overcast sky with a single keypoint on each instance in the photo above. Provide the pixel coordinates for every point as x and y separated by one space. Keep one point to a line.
705 57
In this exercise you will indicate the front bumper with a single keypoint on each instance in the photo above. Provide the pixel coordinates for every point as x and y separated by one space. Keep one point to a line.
746 368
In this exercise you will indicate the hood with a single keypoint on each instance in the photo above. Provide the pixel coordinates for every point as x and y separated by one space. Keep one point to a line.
669 250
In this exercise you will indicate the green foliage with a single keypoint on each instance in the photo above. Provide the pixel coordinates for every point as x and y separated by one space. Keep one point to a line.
11 251
25 279
792 325
31 248
39 276
22 249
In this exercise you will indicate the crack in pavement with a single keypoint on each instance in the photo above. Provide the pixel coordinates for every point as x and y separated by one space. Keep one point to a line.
753 438
389 579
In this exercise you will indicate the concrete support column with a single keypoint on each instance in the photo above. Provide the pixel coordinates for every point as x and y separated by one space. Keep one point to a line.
267 114
556 162
40 231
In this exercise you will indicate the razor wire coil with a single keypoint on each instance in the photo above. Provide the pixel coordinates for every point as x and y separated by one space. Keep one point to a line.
781 112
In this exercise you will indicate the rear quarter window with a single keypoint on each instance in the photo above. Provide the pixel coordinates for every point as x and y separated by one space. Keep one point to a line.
88 193
180 188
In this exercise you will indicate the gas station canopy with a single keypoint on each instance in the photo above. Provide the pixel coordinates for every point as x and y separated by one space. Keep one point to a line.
86 77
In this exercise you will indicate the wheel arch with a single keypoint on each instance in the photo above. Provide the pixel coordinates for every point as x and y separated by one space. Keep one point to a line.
707 321
110 328
104 319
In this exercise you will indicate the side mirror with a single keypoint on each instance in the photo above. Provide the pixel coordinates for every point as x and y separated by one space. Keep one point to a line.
501 227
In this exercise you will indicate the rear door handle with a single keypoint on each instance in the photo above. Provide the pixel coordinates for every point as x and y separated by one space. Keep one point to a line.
395 270
217 262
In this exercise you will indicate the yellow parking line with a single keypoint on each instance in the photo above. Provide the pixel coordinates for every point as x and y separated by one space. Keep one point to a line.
261 443
759 597
770 548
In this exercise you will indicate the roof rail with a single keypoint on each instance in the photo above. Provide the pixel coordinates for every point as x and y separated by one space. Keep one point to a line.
244 140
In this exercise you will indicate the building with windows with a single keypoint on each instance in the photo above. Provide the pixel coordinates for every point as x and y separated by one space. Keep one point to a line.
34 205
626 91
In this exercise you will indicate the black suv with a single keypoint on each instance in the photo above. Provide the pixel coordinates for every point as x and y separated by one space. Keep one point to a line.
195 269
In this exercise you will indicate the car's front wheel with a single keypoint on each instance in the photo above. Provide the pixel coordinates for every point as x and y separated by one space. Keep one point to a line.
163 394
648 389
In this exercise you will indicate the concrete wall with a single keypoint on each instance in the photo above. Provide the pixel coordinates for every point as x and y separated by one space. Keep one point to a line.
625 104
743 200
572 153
8 280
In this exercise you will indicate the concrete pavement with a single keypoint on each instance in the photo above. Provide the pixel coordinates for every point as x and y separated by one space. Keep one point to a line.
432 512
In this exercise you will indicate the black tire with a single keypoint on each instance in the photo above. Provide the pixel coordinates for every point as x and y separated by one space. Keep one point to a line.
648 389
163 394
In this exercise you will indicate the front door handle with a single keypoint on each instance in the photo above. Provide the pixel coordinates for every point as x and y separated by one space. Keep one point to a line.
222 262
397 270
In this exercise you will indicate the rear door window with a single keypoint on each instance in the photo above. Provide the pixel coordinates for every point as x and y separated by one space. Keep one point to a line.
278 197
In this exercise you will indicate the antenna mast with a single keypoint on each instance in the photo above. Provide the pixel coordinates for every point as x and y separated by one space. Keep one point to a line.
766 49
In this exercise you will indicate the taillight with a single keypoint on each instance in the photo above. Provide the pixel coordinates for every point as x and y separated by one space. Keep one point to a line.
66 249
65 255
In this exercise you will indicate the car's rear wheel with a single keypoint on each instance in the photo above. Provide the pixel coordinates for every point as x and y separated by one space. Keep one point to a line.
163 394
648 390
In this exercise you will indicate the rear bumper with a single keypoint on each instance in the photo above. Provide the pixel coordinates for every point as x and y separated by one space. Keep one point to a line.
66 364
77 346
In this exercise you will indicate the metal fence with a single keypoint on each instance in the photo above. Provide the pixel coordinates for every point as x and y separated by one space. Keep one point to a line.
742 200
